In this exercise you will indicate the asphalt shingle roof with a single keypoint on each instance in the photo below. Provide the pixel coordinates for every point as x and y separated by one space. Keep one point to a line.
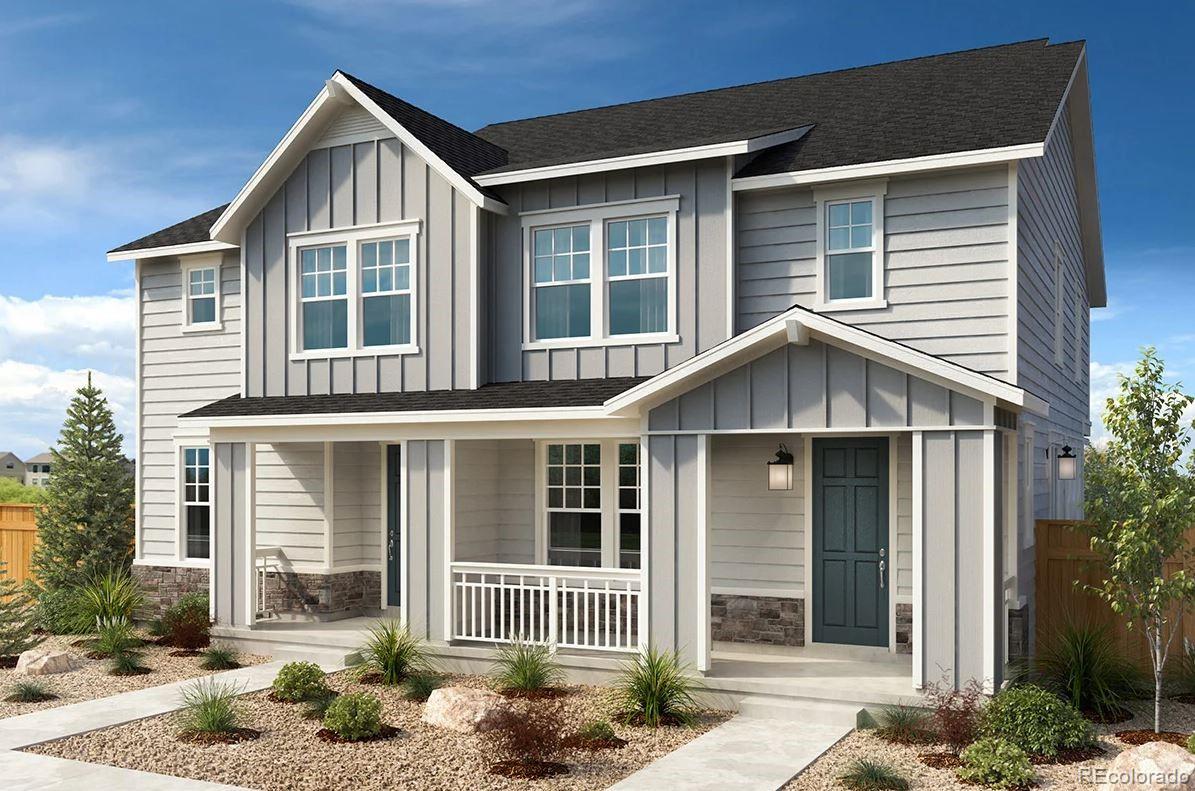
194 229
499 395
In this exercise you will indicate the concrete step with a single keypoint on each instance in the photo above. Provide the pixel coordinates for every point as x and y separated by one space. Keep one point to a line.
802 710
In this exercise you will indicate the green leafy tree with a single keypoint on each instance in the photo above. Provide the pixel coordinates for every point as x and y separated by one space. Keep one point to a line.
1140 503
85 527
13 491
16 618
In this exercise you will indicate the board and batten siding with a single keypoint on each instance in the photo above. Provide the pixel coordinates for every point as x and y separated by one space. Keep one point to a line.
178 372
341 186
946 263
701 276
814 386
494 517
426 478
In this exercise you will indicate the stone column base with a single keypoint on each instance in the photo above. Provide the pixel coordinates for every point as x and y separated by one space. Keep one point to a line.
765 620
904 628
344 594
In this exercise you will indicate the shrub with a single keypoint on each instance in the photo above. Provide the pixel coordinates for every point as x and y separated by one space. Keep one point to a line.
13 491
29 692
127 663
54 609
300 681
187 622
866 775
420 686
393 652
526 666
534 737
354 716
996 762
955 717
114 636
597 730
1036 721
209 706
17 620
218 657
1080 662
103 597
903 724
655 689
317 707
156 628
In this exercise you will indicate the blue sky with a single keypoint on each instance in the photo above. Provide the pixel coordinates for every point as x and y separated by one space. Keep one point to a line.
120 118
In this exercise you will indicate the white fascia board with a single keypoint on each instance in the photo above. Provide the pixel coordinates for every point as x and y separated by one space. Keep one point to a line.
398 418
729 148
778 331
171 250
461 183
958 159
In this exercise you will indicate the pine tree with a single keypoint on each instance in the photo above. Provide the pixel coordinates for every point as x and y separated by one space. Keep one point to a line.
16 619
86 526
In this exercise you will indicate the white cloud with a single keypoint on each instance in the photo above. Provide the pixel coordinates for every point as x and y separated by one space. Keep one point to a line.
1105 383
33 401
75 330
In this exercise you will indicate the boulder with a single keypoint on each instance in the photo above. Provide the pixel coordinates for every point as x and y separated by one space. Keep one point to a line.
44 662
467 710
1156 766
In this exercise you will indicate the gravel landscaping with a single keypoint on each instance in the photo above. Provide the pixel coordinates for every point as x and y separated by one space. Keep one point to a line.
288 755
824 773
92 680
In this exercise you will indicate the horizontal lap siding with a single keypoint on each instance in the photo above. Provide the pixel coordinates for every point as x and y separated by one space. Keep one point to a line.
178 372
700 285
946 264
361 184
495 501
289 491
356 504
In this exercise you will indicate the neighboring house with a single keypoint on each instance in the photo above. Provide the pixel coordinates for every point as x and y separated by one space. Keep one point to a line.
531 380
11 466
37 469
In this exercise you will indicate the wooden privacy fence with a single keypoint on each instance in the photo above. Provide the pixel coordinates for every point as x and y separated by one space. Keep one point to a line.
18 533
1063 555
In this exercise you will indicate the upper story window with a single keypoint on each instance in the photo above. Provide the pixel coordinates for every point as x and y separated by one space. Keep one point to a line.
601 274
201 291
850 232
356 291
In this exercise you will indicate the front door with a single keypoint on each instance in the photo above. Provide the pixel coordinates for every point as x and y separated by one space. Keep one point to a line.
850 541
393 525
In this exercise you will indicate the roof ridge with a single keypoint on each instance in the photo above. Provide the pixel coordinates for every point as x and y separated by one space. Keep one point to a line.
1010 44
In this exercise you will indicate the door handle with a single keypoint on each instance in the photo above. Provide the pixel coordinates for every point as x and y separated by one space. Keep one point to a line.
882 568
390 549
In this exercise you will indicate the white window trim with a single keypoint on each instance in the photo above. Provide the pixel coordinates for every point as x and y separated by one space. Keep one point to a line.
597 215
209 261
822 196
181 445
609 488
351 238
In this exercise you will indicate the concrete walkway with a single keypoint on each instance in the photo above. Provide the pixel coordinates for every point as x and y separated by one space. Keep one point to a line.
29 771
746 754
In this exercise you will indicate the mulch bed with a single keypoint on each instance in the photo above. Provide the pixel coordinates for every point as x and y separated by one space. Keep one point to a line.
186 652
533 770
668 720
546 693
940 760
578 742
387 732
137 671
8 662
1074 756
235 736
39 699
1144 735
97 655
1184 697
1112 716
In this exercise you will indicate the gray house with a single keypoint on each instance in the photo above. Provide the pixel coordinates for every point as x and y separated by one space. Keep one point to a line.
11 466
794 365
37 469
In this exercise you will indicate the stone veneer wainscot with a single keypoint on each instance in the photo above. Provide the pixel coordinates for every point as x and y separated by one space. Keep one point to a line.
164 585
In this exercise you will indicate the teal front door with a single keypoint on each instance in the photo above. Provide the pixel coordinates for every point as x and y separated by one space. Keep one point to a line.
851 560
393 535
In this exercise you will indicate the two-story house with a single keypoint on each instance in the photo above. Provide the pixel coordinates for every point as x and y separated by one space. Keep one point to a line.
37 469
788 363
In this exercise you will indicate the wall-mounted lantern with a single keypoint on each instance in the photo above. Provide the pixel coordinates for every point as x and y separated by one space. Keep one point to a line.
780 471
1067 464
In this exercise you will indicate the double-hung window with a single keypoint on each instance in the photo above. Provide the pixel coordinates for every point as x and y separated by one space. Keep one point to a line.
324 278
561 276
601 274
356 291
850 231
637 274
196 506
201 293
574 473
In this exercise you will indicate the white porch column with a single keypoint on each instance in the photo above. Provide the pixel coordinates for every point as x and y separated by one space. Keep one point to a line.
918 561
992 579
703 553
449 531
249 570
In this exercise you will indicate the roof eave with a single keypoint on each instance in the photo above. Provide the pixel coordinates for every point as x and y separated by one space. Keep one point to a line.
170 250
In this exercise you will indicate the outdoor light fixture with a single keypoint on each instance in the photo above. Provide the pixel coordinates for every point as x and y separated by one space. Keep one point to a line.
1066 464
780 470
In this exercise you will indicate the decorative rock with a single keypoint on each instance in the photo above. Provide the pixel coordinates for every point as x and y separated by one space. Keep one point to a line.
467 710
1156 766
44 662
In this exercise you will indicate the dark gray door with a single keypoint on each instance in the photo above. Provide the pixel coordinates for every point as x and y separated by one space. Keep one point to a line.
851 565
393 537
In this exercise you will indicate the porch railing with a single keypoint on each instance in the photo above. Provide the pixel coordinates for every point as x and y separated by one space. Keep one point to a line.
265 560
594 609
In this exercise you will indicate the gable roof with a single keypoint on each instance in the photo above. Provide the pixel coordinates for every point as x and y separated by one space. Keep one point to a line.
963 101
190 231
